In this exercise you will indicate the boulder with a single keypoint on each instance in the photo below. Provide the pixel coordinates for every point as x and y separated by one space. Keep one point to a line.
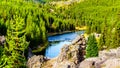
36 61
79 43
65 64
118 52
94 62
71 55
111 63
106 59
2 40
72 52
86 64
112 53
77 39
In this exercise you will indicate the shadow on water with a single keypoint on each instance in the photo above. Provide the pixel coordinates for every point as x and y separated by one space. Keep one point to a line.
41 49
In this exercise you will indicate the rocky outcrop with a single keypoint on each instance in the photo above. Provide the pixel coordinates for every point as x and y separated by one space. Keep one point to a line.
112 53
36 61
86 64
106 59
69 57
111 63
72 56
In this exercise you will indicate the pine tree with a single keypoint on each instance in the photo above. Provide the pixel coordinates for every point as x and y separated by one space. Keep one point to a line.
92 48
16 44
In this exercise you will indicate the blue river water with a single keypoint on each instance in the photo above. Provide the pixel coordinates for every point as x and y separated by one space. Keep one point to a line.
58 41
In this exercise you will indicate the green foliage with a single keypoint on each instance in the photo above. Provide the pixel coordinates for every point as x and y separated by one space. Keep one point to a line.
1 52
117 36
28 20
100 16
3 28
101 43
92 48
16 44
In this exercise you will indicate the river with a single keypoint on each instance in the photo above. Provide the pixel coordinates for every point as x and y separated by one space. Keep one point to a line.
57 41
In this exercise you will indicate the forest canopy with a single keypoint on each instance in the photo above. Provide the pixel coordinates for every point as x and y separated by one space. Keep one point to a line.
27 23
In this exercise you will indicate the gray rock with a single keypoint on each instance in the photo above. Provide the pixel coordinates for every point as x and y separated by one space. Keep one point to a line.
79 43
106 59
36 61
65 64
72 53
112 53
76 40
86 64
94 62
112 63
118 52
2 40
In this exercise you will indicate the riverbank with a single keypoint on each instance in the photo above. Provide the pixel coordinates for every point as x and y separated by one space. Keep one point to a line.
59 33
57 41
69 57
76 29
40 48
81 28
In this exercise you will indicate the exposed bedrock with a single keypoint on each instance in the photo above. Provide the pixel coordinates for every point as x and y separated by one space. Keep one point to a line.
70 56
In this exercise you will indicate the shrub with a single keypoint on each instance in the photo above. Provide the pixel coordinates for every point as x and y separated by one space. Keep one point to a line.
92 48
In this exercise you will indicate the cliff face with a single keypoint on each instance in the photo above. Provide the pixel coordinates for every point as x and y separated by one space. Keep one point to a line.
69 57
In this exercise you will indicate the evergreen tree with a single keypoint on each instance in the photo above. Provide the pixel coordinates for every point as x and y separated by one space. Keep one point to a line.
16 44
92 48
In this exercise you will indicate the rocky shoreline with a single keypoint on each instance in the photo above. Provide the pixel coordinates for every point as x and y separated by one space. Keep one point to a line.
72 56
69 57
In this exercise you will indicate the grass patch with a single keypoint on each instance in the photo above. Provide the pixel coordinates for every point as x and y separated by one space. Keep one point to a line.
81 28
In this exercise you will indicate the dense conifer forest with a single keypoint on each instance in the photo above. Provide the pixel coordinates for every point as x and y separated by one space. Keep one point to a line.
27 23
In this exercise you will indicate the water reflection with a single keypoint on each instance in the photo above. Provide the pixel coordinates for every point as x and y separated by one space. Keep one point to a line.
57 41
